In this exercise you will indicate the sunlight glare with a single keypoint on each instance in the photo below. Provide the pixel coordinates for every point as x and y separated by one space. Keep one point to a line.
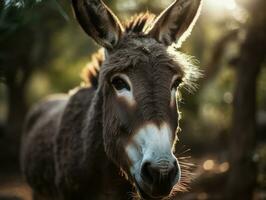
220 9
230 4
220 5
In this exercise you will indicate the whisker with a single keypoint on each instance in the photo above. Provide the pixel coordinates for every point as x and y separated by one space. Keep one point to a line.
183 152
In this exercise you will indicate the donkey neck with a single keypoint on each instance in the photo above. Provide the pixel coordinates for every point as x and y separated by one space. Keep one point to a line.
92 131
107 183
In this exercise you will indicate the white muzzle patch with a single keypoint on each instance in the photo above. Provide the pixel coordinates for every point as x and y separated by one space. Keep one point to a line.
150 142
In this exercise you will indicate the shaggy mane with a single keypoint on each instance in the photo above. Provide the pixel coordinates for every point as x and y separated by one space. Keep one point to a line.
137 24
90 72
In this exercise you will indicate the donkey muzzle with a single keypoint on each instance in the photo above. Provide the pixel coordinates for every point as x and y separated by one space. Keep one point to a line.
159 177
153 164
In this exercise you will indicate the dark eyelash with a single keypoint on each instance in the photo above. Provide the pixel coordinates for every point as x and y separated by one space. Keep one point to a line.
119 83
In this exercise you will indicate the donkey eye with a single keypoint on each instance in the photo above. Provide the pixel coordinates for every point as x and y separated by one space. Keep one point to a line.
120 84
176 83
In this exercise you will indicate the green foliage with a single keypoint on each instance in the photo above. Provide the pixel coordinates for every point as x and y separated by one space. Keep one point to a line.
20 3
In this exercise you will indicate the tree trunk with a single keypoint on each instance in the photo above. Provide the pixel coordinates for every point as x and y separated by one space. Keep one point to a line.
243 170
17 109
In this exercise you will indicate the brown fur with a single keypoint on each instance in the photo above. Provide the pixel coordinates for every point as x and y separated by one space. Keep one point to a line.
74 147
138 25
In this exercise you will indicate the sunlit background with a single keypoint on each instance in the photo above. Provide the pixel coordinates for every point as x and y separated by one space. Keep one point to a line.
48 39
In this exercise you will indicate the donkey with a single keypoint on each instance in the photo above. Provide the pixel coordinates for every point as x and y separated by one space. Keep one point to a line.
115 139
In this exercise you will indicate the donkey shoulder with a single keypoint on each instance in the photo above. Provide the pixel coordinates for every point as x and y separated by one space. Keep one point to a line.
54 107
74 112
43 123
49 106
37 159
68 139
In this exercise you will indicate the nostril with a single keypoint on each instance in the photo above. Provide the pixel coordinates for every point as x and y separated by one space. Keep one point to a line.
160 173
147 172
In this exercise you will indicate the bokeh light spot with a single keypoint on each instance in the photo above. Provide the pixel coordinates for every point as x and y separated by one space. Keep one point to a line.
224 167
208 165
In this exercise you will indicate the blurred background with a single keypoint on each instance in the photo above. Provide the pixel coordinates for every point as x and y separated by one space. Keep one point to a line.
43 51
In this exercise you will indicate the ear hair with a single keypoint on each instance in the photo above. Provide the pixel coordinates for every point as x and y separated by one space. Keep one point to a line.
98 22
176 22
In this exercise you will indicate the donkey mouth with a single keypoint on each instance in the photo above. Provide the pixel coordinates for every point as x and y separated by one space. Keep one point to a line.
145 195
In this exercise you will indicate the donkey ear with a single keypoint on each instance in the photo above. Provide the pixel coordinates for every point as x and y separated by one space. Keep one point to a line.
98 21
175 23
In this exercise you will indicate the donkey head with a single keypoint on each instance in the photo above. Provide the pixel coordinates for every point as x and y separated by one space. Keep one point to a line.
138 81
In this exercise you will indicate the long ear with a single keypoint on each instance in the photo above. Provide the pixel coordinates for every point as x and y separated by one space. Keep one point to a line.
98 22
175 23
